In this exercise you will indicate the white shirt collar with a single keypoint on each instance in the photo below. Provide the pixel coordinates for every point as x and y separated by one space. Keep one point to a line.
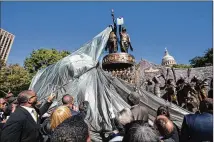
30 110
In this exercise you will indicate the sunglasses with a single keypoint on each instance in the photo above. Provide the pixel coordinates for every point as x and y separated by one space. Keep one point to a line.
32 97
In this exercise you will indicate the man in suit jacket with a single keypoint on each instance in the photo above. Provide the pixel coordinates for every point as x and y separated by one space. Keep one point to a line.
199 127
24 124
139 112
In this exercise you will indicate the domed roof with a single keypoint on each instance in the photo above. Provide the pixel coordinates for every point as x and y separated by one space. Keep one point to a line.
168 59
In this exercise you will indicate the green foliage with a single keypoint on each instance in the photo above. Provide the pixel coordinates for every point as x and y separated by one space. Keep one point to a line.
181 66
2 64
42 58
14 78
17 78
201 61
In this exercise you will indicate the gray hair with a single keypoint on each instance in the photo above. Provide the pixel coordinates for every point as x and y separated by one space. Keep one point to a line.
141 133
24 96
125 116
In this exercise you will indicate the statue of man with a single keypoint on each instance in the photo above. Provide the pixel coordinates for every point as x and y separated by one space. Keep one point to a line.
204 88
157 86
200 87
125 41
149 85
171 91
112 41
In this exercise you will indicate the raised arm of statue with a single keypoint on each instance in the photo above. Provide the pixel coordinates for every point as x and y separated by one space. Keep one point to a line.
114 22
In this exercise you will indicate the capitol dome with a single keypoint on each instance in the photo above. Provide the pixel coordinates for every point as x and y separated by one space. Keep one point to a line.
168 60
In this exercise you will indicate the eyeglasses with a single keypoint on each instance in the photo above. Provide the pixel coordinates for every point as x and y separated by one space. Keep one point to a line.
32 97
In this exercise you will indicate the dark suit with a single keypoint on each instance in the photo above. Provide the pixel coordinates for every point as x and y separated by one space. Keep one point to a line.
73 112
197 128
21 127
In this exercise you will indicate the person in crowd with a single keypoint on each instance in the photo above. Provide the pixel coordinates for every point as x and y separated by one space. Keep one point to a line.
3 112
68 101
164 110
59 115
139 112
24 124
85 110
12 104
140 133
8 96
3 107
125 116
45 130
73 129
165 128
199 127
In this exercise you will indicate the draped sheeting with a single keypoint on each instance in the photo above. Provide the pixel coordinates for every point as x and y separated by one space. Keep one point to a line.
81 76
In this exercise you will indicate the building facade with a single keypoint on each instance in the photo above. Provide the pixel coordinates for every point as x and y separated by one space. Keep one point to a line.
6 42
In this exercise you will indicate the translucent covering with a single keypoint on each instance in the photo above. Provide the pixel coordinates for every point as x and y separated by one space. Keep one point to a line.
80 75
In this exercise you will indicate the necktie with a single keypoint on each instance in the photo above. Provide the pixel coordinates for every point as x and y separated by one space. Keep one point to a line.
34 114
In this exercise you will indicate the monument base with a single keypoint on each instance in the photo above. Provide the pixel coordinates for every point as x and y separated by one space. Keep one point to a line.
120 65
118 61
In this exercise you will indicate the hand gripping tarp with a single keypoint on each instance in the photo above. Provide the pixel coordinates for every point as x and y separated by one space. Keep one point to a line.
79 75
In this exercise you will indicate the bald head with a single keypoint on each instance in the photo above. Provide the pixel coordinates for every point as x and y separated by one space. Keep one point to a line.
67 100
164 125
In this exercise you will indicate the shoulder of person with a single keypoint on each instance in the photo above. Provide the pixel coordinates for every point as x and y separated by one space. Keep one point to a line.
190 115
19 114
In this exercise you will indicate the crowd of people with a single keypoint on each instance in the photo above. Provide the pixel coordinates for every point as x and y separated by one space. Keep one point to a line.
24 119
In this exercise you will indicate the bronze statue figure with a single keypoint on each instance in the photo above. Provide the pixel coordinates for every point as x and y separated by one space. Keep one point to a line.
149 85
171 91
125 41
112 41
157 86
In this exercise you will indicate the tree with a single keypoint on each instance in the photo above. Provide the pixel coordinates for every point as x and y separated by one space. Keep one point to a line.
14 78
181 66
2 64
201 61
42 58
